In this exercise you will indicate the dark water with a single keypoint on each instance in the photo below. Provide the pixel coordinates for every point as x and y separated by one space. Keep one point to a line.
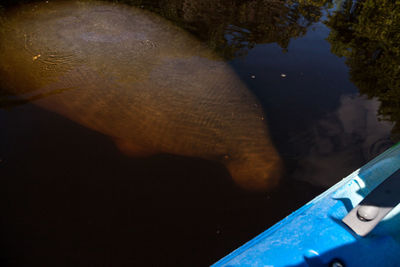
327 76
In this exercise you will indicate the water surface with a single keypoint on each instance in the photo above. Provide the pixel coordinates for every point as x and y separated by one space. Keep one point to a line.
327 82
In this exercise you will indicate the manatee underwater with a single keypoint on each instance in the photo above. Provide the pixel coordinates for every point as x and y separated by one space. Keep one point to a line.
139 79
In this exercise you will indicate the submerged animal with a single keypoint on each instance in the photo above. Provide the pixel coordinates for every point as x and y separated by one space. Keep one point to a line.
139 79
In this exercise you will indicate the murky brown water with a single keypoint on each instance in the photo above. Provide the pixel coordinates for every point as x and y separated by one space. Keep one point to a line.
126 141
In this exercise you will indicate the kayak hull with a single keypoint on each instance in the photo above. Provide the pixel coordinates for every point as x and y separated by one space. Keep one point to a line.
315 235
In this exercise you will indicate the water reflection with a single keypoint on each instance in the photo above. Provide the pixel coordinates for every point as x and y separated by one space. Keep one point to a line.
233 27
342 139
154 89
367 34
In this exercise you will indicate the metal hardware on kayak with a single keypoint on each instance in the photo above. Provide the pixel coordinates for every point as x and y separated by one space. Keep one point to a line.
375 206
336 263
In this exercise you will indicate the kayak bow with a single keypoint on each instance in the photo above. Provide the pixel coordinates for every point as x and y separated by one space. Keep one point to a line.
354 223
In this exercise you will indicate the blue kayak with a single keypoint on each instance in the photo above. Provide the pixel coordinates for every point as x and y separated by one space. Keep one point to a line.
354 223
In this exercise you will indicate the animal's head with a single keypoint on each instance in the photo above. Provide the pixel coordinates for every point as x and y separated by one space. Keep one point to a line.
257 172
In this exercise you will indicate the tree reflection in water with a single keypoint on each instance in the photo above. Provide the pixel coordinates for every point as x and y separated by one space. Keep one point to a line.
367 34
233 27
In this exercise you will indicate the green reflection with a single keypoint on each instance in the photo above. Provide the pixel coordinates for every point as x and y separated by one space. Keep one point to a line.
231 28
367 34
